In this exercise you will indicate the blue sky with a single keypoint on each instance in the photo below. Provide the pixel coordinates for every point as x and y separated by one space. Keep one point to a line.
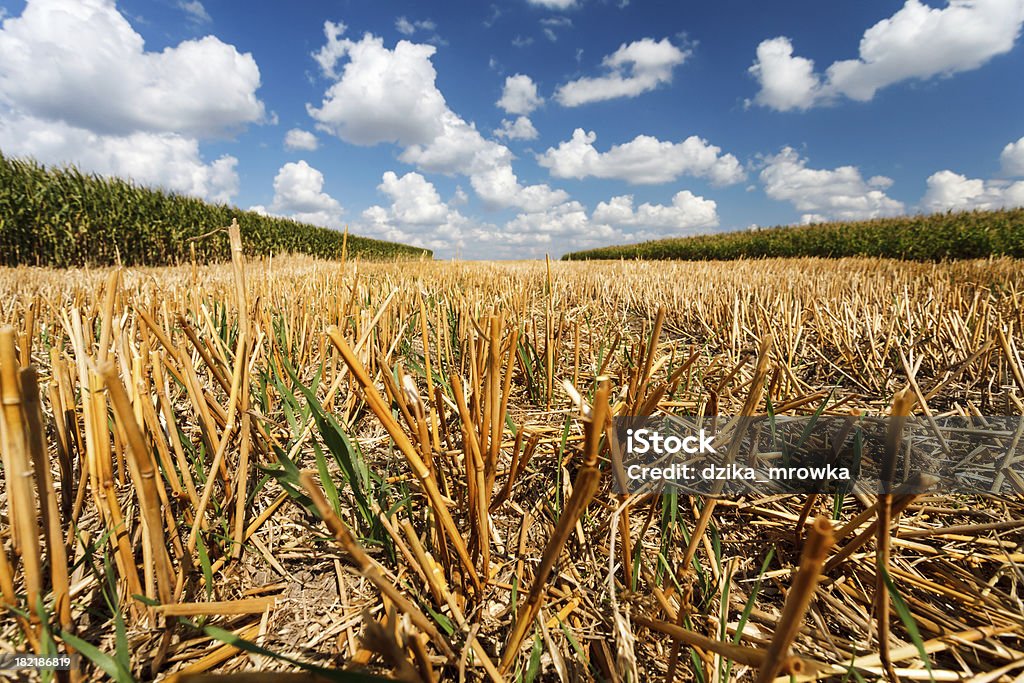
524 127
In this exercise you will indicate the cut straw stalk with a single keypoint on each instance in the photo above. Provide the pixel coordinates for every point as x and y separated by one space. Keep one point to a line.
226 607
97 439
419 468
222 445
18 470
475 478
756 657
218 656
244 348
749 408
583 491
65 424
652 346
442 596
144 473
49 513
902 404
425 333
902 498
819 540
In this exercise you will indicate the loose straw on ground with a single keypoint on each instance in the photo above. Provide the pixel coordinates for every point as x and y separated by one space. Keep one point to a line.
819 540
369 568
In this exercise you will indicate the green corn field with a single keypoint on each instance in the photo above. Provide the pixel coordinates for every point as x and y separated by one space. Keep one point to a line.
63 217
936 237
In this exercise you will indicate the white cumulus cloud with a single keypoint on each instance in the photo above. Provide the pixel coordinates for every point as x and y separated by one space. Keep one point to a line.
297 138
108 83
787 82
567 226
564 219
114 108
520 129
381 95
1012 158
413 199
461 149
951 191
838 194
917 42
519 96
384 95
404 26
633 69
416 214
298 194
686 213
643 160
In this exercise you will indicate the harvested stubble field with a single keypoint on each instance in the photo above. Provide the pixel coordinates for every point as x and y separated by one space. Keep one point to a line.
292 463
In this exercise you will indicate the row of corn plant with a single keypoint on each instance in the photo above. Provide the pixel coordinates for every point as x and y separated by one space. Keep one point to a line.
934 237
63 217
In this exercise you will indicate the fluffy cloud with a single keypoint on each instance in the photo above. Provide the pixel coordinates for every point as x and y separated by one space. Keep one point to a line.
565 219
567 226
951 191
381 95
297 138
461 149
416 214
414 200
108 83
917 42
298 194
643 160
1012 158
687 213
384 95
519 96
115 109
838 194
162 159
633 69
458 148
520 129
787 82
